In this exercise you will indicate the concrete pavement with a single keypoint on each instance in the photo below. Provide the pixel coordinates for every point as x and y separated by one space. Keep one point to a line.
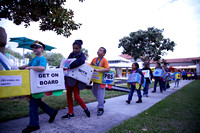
116 111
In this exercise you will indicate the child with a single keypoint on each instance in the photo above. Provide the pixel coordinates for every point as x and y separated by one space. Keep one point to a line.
38 63
72 85
164 67
97 91
146 88
136 69
158 79
189 74
177 78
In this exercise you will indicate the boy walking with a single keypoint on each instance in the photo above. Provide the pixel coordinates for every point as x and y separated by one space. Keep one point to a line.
97 91
38 63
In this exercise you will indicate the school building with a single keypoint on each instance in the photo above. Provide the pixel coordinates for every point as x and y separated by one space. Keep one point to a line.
122 64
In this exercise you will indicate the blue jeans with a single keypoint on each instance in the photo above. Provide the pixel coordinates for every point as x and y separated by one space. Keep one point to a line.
160 80
164 85
177 82
132 91
146 88
33 110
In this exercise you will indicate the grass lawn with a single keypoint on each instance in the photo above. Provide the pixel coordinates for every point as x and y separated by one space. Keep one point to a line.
179 112
16 108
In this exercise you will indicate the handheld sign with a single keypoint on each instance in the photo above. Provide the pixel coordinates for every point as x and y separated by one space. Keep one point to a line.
177 76
147 74
157 72
82 73
103 78
66 62
48 80
165 75
14 83
108 77
136 78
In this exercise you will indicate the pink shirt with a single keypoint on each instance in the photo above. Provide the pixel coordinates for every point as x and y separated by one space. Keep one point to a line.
133 72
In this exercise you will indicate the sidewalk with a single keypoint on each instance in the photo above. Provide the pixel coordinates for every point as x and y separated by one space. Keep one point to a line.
116 111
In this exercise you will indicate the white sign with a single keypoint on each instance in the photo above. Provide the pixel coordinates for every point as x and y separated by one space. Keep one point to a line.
10 81
48 80
82 73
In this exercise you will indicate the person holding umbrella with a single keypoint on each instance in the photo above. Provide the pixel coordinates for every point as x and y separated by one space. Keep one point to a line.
38 63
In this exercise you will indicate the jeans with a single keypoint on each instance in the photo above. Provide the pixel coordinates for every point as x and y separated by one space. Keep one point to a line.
160 80
177 82
33 110
132 91
146 88
164 85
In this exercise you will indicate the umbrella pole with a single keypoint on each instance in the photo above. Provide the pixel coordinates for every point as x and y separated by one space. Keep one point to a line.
23 56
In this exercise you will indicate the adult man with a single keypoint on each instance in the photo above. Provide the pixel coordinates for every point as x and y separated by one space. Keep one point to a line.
38 63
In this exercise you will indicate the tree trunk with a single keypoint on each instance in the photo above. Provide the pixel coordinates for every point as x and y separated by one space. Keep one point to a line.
3 40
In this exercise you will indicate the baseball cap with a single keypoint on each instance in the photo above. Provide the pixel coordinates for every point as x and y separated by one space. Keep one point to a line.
37 44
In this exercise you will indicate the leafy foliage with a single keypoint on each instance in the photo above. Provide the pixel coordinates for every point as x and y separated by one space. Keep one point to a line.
50 13
85 51
10 51
146 45
53 59
29 55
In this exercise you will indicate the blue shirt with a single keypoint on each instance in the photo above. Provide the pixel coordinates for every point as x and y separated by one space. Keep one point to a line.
38 61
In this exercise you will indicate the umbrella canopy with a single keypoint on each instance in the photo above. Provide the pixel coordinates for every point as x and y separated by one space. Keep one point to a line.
24 42
21 40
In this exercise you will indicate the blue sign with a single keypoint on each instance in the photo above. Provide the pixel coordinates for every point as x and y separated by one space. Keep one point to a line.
108 77
157 72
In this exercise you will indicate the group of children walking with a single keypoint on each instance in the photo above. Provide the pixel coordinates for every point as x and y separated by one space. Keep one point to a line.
162 80
39 63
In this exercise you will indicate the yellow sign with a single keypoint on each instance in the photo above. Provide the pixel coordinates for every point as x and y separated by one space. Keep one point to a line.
14 83
103 78
177 76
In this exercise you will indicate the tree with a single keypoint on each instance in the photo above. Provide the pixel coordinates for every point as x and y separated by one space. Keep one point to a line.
50 13
146 45
29 55
15 54
85 51
54 59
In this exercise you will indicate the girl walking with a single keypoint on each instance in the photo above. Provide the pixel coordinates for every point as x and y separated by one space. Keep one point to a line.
72 85
136 69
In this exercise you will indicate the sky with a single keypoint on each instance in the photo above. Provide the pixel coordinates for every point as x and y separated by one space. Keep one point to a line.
105 22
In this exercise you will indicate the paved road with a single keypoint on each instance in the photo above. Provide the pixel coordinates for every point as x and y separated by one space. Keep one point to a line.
116 111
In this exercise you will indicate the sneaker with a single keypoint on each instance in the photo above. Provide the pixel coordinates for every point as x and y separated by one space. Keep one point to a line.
87 112
146 95
153 91
100 112
104 101
53 116
68 116
161 91
29 129
128 101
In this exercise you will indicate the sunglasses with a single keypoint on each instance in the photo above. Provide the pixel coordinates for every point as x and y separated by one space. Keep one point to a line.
35 47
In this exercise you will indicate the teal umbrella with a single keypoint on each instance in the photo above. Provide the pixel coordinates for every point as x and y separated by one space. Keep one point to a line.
24 42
